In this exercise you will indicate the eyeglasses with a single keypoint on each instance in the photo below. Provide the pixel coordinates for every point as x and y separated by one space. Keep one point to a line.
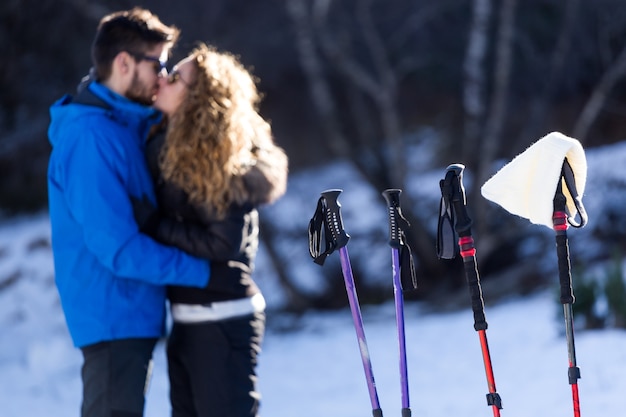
158 65
174 76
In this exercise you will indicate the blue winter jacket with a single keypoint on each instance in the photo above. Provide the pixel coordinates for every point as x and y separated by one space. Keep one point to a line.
110 277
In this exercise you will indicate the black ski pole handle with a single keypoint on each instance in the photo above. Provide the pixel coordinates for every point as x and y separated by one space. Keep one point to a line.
567 174
458 201
333 219
466 244
473 282
559 218
392 197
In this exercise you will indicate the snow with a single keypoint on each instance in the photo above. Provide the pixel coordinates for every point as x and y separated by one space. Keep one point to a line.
310 365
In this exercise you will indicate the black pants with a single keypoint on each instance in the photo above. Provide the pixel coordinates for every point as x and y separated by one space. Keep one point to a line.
115 377
212 367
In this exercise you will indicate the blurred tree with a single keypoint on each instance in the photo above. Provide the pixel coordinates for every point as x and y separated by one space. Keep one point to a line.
370 131
356 79
42 59
485 130
539 104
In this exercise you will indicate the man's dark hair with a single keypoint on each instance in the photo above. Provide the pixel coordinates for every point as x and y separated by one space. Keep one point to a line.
134 31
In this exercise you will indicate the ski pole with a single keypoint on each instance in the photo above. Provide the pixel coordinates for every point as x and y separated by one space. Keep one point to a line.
532 185
328 215
396 241
453 206
560 221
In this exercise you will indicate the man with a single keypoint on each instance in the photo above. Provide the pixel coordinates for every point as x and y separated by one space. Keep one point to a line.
110 277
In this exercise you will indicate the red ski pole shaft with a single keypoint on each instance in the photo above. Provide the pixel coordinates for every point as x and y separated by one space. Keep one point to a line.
468 253
453 210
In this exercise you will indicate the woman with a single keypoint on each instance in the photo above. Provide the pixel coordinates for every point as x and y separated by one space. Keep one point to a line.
215 163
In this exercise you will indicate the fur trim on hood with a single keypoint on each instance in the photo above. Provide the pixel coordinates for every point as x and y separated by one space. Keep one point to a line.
266 179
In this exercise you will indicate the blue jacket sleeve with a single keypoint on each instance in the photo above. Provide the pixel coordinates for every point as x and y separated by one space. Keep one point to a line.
100 176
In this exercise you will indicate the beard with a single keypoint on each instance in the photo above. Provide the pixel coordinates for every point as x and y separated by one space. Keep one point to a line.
139 92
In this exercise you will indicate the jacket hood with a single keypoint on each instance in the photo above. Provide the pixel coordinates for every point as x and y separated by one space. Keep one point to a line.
61 112
68 108
266 180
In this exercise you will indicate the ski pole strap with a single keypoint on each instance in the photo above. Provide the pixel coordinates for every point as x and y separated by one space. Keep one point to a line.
315 235
408 276
567 174
445 229
397 239
326 223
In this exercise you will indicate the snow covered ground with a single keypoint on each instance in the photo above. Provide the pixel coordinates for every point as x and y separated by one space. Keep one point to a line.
316 370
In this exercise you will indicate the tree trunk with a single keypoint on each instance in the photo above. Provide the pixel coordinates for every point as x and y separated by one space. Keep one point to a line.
497 113
599 97
389 168
474 101
314 71
540 107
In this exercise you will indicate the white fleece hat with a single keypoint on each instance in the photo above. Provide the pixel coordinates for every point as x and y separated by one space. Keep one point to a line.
526 185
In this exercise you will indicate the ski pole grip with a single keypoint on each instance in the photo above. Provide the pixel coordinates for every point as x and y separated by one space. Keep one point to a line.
565 278
333 217
468 252
559 220
463 222
476 295
392 197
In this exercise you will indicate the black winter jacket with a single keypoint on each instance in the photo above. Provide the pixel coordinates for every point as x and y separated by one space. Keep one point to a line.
230 243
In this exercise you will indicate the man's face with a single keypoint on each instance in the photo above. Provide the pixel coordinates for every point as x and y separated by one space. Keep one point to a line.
145 81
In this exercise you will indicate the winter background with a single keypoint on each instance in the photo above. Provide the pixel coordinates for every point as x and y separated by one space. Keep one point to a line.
310 365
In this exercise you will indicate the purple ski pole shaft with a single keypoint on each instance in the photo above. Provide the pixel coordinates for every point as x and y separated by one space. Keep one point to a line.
360 332
399 300
392 196
340 239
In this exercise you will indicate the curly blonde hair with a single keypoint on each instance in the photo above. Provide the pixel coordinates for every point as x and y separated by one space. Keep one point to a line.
214 134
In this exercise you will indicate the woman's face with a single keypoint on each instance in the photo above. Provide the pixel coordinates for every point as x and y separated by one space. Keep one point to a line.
173 88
